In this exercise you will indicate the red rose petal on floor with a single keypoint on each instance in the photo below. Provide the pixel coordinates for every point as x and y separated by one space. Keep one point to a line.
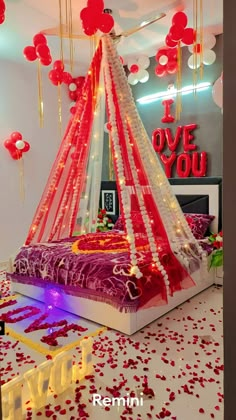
201 410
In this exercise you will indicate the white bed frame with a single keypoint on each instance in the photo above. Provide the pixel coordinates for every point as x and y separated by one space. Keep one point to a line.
129 323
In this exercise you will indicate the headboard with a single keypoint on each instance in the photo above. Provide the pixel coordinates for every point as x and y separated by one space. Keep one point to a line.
195 195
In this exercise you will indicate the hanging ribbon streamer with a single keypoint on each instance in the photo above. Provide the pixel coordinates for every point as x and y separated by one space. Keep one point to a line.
40 94
201 39
111 167
61 31
59 108
179 83
71 42
21 178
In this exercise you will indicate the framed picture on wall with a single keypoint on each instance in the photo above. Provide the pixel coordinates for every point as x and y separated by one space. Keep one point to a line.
109 201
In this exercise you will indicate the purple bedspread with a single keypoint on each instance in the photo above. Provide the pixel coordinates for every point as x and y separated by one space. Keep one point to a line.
98 276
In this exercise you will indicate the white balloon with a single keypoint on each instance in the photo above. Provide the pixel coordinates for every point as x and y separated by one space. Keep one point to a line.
132 79
105 128
163 60
72 87
190 48
144 76
217 92
209 57
194 63
144 61
20 144
209 41
72 104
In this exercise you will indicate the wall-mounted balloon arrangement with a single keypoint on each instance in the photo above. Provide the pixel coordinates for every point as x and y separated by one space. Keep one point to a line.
202 52
40 51
16 146
57 75
93 18
138 69
167 57
2 11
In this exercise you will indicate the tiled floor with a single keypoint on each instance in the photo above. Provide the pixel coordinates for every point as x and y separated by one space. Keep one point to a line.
179 358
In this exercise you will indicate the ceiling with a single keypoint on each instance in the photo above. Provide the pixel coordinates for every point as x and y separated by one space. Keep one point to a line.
25 18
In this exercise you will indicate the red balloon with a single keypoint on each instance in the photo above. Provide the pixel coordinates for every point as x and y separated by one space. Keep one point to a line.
74 155
55 76
2 18
67 78
16 154
72 110
172 66
106 23
46 61
89 30
158 139
180 18
2 7
183 165
26 147
96 4
168 163
16 136
58 65
134 68
8 144
172 54
160 70
39 39
162 51
176 32
199 169
79 81
89 17
73 95
189 36
42 51
30 53
170 43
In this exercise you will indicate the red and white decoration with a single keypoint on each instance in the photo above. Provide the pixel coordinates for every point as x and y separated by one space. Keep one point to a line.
179 31
208 55
167 61
2 11
75 90
138 69
39 50
16 146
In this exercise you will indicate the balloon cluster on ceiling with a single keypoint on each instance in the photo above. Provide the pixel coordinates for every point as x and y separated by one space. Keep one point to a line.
16 146
93 18
208 55
39 50
2 11
137 68
167 56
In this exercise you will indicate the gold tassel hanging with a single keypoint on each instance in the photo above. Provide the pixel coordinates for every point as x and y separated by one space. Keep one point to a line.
111 167
195 27
59 108
61 30
40 94
179 83
71 42
201 40
21 179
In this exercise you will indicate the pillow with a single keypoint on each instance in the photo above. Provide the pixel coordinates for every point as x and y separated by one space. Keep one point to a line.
199 223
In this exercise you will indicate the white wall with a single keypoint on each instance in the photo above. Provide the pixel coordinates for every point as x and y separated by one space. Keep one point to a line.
19 112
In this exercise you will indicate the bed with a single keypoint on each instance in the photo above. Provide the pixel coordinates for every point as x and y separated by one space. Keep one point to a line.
100 301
